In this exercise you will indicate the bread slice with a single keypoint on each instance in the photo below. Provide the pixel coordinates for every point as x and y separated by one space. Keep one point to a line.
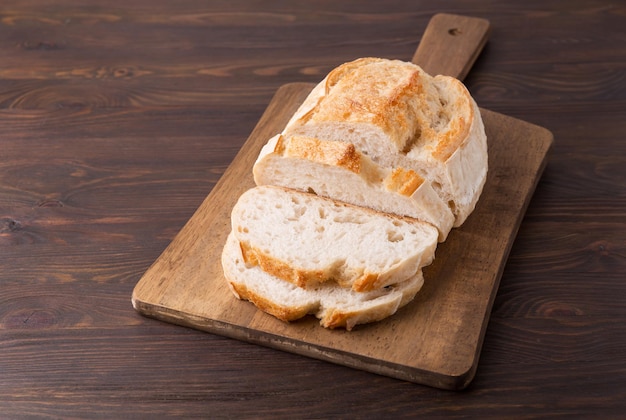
338 170
401 117
333 305
306 240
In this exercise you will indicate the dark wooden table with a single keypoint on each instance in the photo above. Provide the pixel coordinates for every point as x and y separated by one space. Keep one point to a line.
118 117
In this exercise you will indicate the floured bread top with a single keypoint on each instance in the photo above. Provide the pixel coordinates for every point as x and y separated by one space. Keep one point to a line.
418 113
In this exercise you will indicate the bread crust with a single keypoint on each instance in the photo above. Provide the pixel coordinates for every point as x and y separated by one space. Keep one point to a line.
277 268
264 303
339 154
371 91
403 181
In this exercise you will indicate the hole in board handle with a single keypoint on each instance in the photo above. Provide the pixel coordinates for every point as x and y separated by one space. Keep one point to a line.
454 31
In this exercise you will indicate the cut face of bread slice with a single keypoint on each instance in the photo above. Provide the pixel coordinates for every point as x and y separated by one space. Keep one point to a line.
335 306
338 170
307 240
402 117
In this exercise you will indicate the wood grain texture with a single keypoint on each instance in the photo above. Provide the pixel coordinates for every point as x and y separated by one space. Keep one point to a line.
451 44
101 164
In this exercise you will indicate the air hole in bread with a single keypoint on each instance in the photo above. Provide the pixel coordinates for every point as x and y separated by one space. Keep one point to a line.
320 229
393 236
322 212
408 146
452 206
443 119
298 212
311 191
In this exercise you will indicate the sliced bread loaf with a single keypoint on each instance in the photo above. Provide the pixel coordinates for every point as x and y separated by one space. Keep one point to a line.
402 117
333 305
306 239
338 170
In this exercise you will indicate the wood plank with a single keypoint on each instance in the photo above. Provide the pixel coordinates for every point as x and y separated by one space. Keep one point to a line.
191 381
451 44
436 340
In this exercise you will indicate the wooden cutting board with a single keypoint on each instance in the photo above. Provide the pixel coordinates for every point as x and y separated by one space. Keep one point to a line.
436 339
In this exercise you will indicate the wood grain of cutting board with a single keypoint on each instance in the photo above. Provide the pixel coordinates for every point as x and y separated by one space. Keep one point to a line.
436 339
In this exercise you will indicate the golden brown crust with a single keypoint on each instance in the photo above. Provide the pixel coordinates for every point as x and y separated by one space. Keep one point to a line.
280 269
403 181
334 318
279 148
399 98
368 91
339 72
324 152
459 128
366 282
283 313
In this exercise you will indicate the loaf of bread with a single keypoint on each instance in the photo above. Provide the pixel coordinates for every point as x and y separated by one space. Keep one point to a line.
401 117
375 168
306 240
335 306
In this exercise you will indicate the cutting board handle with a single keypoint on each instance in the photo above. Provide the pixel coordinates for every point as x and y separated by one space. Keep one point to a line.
451 44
